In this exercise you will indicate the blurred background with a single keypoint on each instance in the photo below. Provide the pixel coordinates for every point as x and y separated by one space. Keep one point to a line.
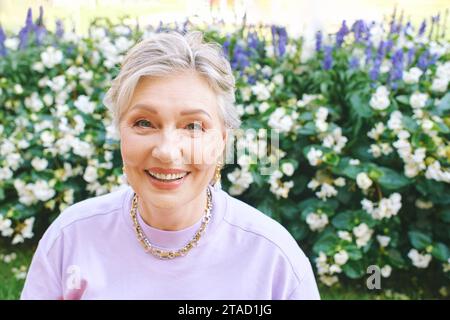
298 16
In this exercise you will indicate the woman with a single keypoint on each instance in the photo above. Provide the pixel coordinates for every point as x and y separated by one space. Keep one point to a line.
170 234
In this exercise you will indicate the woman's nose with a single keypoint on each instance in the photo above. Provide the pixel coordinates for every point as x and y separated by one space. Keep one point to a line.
167 148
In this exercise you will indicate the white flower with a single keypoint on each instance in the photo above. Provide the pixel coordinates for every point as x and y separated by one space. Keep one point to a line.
287 168
354 162
313 184
42 190
263 107
386 271
439 85
339 182
326 191
261 91
5 227
412 76
418 100
5 173
12 43
363 181
345 235
335 140
39 164
18 89
278 79
376 131
341 257
51 57
422 204
363 234
419 260
90 174
314 156
317 222
395 121
240 179
280 120
383 240
328 280
380 99
84 104
38 66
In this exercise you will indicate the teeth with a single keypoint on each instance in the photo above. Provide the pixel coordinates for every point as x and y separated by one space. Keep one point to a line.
171 176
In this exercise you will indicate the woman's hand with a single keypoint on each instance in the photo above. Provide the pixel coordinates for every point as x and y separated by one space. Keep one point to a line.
75 294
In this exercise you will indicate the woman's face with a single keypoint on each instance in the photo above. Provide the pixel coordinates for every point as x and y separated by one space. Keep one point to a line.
172 125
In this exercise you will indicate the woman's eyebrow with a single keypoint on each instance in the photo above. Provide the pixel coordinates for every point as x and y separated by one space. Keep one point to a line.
183 113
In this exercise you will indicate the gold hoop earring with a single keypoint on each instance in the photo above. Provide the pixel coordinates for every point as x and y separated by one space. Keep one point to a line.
218 176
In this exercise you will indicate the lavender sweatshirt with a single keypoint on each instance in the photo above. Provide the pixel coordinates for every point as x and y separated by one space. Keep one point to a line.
92 245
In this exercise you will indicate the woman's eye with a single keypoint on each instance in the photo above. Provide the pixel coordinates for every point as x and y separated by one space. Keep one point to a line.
194 126
143 123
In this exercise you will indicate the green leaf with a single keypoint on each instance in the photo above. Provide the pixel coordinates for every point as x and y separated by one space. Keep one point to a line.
445 215
353 252
392 180
444 105
343 220
419 240
395 258
403 99
354 269
360 106
326 243
440 251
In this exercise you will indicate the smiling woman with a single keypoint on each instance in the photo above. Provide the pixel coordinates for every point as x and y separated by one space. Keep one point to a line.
172 233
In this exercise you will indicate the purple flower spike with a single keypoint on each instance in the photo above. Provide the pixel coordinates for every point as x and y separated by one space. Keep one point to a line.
59 29
2 42
318 41
343 31
328 57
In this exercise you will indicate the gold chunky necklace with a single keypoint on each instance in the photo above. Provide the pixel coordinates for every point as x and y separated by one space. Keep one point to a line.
170 254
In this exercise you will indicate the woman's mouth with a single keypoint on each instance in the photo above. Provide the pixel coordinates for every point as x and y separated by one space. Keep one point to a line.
166 181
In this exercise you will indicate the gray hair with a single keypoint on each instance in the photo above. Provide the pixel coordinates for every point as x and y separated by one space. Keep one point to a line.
167 53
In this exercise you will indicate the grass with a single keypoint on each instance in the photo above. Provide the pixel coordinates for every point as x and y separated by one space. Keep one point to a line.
11 287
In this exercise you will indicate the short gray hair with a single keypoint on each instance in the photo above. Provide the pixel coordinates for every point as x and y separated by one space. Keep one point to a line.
166 53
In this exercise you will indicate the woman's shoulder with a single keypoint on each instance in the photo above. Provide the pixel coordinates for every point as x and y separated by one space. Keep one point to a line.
245 218
94 207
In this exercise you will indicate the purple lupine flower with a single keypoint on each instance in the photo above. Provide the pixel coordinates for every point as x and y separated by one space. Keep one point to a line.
251 79
368 52
328 57
422 28
358 29
226 46
25 31
388 46
422 63
392 23
59 29
2 42
253 42
39 28
343 31
354 63
380 51
318 41
375 71
397 66
410 55
282 41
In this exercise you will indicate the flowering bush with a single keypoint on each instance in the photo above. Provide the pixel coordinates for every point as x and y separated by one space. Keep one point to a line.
363 117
